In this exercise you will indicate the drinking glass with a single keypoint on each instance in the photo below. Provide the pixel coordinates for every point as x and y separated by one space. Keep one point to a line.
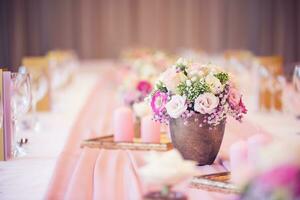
20 104
39 87
296 82
296 78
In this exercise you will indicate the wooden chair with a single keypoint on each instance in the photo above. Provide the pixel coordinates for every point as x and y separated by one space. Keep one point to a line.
38 66
274 66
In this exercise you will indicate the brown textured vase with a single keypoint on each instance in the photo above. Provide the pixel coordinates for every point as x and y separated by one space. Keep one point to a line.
200 144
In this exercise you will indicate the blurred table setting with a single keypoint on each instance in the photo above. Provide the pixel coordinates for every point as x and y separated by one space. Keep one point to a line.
150 125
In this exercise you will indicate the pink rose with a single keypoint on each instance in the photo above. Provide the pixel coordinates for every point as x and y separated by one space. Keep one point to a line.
158 102
144 87
242 106
206 103
234 97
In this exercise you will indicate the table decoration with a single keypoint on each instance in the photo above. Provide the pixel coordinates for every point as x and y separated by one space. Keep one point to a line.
218 182
133 91
195 99
107 142
281 182
277 174
146 63
123 124
165 170
150 130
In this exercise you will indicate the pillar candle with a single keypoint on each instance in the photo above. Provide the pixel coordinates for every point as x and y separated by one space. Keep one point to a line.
150 130
238 159
123 125
255 143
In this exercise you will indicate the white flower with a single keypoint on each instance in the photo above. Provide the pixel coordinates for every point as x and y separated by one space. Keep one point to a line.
206 103
188 82
171 79
182 61
214 83
167 168
141 109
176 106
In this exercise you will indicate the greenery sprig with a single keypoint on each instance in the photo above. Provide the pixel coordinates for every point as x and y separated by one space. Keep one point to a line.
161 87
222 76
194 90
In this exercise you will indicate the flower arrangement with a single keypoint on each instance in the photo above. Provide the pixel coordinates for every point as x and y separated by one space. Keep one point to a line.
134 90
281 182
188 88
276 174
165 170
146 63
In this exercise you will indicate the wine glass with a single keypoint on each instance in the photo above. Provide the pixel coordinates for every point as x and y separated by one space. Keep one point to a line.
296 81
39 87
296 78
20 104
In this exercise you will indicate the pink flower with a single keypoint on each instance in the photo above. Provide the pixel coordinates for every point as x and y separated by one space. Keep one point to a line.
242 106
234 97
283 176
280 176
144 87
158 102
206 103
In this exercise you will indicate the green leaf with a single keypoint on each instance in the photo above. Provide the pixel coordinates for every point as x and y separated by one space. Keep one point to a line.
222 76
161 87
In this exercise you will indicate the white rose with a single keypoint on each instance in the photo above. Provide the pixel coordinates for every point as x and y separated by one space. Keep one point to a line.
176 106
167 168
171 79
214 84
206 103
141 109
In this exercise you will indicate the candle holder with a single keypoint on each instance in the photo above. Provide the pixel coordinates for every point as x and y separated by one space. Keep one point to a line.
165 194
107 142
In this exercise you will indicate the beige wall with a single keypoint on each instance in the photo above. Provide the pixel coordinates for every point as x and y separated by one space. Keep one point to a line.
101 28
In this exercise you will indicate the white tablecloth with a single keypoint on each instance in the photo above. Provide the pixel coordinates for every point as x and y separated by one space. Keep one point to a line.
28 177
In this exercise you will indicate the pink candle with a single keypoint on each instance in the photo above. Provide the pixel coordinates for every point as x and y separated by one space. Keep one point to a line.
123 125
238 159
150 130
255 143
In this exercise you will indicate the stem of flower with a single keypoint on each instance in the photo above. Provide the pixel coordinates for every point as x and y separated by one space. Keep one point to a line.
165 190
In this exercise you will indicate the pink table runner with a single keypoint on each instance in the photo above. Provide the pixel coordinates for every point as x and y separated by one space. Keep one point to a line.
112 174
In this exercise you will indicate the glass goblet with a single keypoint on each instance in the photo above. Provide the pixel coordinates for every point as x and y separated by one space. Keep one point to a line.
39 87
296 82
20 104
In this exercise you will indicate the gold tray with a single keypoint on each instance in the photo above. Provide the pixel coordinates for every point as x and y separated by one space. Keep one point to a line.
219 182
107 142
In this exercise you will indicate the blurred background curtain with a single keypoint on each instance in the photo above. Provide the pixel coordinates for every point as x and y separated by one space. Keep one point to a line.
101 28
